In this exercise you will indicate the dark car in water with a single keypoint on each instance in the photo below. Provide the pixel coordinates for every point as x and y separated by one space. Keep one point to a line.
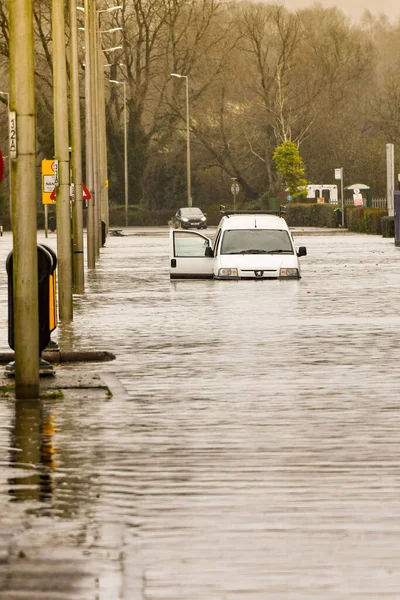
189 218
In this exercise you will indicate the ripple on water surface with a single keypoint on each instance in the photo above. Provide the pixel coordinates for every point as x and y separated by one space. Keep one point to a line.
255 454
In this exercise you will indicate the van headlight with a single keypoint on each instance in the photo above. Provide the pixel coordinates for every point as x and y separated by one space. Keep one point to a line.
289 273
203 218
227 273
185 219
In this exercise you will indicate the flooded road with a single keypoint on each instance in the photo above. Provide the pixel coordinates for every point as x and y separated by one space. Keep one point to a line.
254 455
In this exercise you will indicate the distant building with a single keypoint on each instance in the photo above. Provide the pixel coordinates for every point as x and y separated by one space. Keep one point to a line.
327 191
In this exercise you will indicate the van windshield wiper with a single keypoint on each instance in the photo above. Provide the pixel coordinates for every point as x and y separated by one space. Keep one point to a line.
258 251
252 251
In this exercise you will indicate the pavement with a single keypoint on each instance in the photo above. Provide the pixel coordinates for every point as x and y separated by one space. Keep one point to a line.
66 378
57 376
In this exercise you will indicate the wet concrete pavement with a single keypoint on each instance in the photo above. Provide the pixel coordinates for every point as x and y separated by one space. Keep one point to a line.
251 450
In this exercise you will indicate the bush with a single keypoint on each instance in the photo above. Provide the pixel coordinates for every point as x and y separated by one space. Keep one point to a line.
387 226
373 220
364 220
311 215
354 218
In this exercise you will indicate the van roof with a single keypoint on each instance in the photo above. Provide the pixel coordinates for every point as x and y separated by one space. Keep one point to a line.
253 221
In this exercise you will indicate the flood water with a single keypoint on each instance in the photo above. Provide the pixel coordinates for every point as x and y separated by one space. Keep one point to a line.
254 456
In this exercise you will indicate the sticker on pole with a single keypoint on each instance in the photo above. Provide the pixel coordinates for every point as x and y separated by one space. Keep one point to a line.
49 181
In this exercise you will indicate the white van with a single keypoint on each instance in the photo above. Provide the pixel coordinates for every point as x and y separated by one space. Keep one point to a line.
247 246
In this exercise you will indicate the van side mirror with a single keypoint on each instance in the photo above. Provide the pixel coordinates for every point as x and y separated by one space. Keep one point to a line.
209 252
302 251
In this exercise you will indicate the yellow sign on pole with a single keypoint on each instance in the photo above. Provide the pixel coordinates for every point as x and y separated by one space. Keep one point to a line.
49 180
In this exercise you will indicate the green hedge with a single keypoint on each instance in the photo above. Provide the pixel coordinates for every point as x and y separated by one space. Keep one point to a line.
387 224
357 218
364 220
311 215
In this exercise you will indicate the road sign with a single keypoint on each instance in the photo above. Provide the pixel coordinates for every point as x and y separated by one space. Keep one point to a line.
235 188
86 195
338 173
49 180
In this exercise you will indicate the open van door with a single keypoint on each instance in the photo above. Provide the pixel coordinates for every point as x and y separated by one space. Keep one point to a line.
191 255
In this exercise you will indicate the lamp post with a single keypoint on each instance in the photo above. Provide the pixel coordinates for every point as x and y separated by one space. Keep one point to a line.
103 209
189 185
125 149
78 275
95 123
9 159
90 129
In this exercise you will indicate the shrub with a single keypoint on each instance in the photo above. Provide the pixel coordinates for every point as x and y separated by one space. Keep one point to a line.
373 219
354 218
311 215
364 220
387 226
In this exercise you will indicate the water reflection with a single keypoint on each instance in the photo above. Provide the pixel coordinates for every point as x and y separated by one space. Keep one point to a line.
255 453
32 452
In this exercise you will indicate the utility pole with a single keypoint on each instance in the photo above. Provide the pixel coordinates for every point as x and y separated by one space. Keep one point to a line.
76 159
125 149
61 149
89 127
23 199
95 117
390 178
188 173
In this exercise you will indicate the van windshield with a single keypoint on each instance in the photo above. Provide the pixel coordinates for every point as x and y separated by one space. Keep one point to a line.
256 241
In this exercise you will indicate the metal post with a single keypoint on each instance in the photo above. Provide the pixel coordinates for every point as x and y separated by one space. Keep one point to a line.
95 119
91 246
23 195
189 184
103 176
189 179
61 148
76 160
342 194
125 155
102 148
125 149
390 178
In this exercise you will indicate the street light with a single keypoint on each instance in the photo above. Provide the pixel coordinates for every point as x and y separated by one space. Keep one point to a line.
125 149
111 9
111 30
102 178
189 187
112 49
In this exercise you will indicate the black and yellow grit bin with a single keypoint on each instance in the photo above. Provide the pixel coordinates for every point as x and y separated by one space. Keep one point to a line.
47 263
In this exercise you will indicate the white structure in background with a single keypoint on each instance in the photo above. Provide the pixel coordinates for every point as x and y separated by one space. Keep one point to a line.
327 191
